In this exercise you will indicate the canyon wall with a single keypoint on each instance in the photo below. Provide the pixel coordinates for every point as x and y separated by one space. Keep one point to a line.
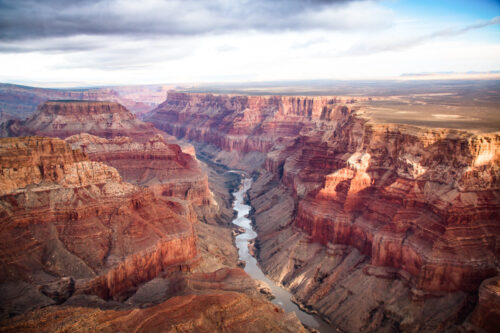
65 216
101 230
226 300
109 133
156 164
65 118
343 202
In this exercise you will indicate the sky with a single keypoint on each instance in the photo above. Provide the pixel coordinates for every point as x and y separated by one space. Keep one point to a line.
127 42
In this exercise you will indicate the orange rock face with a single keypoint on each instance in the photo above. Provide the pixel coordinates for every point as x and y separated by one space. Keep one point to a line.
65 216
109 133
418 205
240 123
418 200
151 163
228 312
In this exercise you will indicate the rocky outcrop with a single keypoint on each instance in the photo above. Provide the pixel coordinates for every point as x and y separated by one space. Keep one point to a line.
411 209
103 221
151 163
19 102
418 200
228 312
65 216
241 123
64 118
142 154
207 303
487 311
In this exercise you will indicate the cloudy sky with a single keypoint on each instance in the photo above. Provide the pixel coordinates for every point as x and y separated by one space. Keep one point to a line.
101 42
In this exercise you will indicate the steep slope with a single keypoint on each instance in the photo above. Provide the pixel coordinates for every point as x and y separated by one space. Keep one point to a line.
241 123
109 133
155 162
65 216
65 118
115 255
376 226
203 303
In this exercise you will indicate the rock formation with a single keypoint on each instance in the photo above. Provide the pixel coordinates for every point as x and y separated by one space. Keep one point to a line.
19 102
376 226
155 162
109 133
486 314
104 224
64 118
205 304
83 249
66 216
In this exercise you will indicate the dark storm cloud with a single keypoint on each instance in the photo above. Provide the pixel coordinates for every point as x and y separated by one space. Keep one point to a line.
35 19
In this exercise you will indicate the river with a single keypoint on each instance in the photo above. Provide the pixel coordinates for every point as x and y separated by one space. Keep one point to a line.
282 296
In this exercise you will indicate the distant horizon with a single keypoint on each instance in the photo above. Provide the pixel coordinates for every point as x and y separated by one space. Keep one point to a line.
449 76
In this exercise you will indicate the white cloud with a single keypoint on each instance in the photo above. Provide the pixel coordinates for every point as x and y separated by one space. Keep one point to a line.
322 51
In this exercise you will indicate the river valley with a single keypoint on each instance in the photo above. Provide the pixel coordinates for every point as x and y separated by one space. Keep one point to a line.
282 296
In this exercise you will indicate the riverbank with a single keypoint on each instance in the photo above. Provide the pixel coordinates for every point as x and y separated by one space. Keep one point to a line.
282 297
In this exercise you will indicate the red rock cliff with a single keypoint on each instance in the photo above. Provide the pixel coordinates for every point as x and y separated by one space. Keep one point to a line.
213 303
142 154
241 123
65 216
151 163
65 118
423 202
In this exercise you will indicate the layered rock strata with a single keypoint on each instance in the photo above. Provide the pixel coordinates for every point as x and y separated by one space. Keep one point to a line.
64 118
241 123
393 207
142 154
150 163
19 102
486 314
82 249
66 216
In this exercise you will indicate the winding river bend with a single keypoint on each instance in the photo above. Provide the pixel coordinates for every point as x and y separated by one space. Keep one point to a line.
282 296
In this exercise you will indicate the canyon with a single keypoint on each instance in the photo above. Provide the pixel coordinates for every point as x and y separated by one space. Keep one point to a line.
101 227
295 166
112 222
376 226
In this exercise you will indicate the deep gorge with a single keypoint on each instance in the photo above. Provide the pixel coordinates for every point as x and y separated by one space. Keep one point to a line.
372 226
375 226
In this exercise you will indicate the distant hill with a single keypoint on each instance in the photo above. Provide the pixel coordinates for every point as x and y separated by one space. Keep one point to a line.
18 102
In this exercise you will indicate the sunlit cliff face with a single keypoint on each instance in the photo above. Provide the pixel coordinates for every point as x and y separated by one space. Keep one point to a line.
485 157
